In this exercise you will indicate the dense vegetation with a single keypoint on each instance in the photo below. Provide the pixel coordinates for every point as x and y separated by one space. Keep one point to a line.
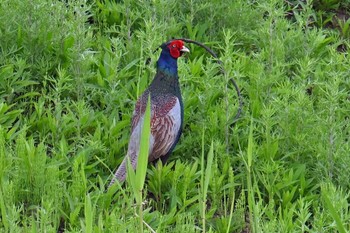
70 72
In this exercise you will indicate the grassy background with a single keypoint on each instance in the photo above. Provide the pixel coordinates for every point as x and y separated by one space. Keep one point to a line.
71 71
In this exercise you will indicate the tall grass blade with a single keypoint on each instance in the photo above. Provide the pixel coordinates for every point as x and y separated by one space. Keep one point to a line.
206 176
231 211
250 190
250 145
88 214
144 147
334 214
3 212
208 169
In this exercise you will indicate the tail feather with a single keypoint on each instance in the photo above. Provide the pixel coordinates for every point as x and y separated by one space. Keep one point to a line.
120 174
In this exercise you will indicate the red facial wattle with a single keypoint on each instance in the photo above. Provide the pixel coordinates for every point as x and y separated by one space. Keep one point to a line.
176 48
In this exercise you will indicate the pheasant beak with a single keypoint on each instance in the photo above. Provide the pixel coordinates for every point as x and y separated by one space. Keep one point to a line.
184 49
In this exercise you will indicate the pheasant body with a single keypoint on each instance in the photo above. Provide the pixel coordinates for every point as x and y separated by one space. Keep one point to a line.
166 111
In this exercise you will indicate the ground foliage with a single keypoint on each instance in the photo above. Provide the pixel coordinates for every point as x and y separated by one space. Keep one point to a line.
71 71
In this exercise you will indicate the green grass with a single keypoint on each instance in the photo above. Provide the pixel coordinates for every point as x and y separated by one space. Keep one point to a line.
68 88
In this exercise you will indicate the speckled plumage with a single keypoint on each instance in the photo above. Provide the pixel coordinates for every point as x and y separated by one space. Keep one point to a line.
166 111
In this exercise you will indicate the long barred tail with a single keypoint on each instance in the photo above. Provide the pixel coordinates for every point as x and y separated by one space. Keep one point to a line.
120 174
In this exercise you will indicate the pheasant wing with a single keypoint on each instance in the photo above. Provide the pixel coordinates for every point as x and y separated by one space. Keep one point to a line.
165 126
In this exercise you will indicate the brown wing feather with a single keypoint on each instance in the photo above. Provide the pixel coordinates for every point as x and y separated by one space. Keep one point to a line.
165 125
